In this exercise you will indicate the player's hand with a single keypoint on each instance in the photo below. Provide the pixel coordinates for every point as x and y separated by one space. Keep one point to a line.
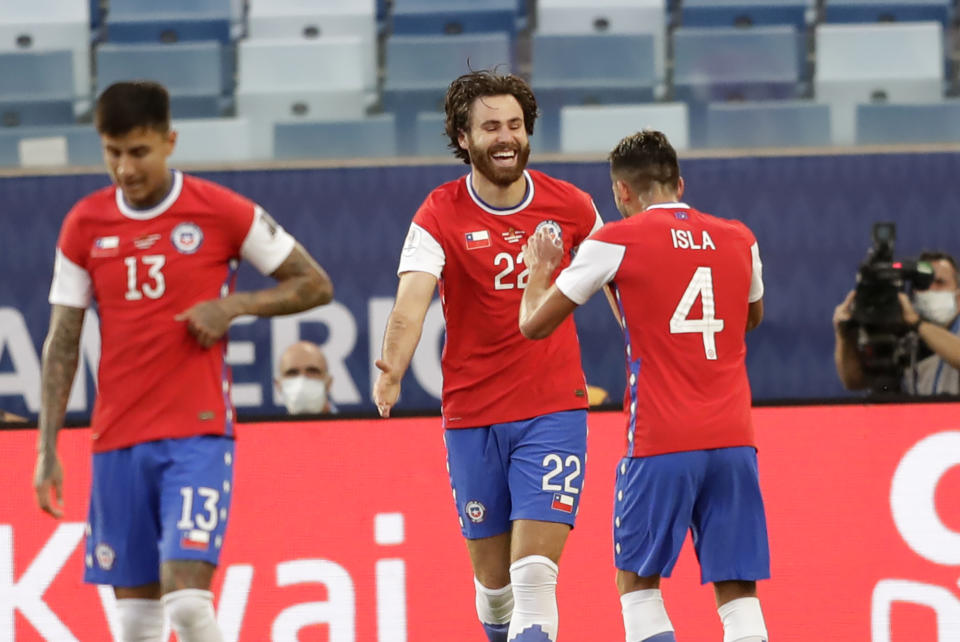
207 321
47 481
543 251
843 312
910 315
386 390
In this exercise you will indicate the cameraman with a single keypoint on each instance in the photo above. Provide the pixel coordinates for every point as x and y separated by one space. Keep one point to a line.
933 315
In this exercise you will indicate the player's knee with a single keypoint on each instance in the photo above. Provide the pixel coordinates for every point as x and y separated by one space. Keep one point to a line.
191 614
494 606
140 620
533 573
743 621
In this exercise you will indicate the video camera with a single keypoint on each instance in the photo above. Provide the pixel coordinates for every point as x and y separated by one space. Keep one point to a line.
885 345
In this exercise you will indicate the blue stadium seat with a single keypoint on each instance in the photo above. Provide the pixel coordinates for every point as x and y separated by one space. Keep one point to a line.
420 68
577 70
82 143
744 13
168 21
888 11
36 88
597 129
371 137
898 123
431 138
96 14
212 140
768 124
191 71
453 16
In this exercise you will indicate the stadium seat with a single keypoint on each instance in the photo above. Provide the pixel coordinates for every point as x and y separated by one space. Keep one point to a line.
431 138
577 70
745 13
899 62
597 129
96 14
191 72
36 88
608 17
212 140
888 11
453 16
50 25
169 21
80 142
372 137
923 123
768 124
309 20
420 68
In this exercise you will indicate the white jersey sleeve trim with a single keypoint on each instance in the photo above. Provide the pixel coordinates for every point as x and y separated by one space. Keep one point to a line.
267 244
421 253
71 285
595 265
598 223
756 280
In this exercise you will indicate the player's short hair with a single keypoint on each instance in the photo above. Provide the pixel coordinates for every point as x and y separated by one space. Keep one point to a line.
125 106
938 255
644 158
464 90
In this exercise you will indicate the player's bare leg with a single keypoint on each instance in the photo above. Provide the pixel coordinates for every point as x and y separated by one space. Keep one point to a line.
739 610
490 557
645 618
140 611
534 553
188 600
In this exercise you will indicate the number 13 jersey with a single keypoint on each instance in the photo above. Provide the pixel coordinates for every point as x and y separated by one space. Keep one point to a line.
491 373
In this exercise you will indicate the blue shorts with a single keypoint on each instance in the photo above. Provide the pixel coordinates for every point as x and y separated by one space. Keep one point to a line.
714 493
157 501
531 469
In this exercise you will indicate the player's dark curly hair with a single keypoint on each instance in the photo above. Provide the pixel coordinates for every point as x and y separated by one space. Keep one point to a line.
125 106
644 158
468 87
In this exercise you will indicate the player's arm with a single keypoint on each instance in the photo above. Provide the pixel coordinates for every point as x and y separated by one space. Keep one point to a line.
944 343
754 314
402 335
845 356
61 351
543 306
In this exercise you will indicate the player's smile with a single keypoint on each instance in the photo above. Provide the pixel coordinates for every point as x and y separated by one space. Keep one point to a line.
505 157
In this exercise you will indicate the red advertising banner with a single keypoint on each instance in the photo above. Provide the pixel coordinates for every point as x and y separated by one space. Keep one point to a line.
344 531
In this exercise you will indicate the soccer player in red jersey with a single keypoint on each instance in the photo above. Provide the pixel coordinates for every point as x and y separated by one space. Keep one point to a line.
689 287
515 438
158 253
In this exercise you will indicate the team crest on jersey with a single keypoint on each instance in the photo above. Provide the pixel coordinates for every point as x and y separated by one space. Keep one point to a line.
553 228
476 511
187 238
105 556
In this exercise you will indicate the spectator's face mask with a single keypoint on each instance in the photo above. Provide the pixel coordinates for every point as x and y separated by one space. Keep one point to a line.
303 395
936 306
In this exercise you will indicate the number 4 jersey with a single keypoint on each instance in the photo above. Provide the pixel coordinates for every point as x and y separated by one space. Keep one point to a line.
683 281
142 268
491 373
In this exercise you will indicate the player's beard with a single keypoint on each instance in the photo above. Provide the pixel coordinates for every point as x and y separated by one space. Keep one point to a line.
483 161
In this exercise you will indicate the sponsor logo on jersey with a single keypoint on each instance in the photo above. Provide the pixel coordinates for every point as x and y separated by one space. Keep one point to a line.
146 241
271 225
553 228
477 240
105 556
476 511
105 246
512 235
187 238
195 540
562 502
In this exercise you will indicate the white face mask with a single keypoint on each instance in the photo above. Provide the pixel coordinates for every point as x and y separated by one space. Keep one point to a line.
303 395
936 306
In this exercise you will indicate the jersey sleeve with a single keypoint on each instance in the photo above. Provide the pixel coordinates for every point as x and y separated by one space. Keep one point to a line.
71 283
421 252
266 244
756 278
595 265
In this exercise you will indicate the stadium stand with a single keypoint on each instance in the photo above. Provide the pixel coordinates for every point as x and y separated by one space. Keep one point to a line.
745 13
597 129
431 138
888 11
360 138
923 123
168 21
762 124
50 146
212 140
453 16
36 88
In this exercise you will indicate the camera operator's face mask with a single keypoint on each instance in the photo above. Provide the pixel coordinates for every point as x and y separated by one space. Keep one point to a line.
303 395
936 306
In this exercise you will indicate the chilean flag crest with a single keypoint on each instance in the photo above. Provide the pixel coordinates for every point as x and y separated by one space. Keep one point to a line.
477 240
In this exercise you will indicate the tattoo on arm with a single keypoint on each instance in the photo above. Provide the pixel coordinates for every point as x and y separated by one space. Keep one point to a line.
303 284
61 351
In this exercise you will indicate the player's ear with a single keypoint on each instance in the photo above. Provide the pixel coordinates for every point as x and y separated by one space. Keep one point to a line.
171 141
624 195
680 186
462 140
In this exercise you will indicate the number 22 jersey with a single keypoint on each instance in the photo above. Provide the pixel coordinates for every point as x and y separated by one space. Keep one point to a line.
142 267
491 373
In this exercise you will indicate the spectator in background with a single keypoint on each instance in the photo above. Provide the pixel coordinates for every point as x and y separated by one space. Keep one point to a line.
597 396
934 314
304 381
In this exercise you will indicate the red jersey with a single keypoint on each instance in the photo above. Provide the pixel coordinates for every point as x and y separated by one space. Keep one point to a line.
683 280
491 373
142 268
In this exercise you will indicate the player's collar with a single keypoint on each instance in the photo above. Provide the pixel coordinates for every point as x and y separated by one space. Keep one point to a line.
668 206
527 197
152 212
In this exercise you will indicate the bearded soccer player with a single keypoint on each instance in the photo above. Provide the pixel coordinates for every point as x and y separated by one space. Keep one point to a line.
515 438
158 252
689 287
